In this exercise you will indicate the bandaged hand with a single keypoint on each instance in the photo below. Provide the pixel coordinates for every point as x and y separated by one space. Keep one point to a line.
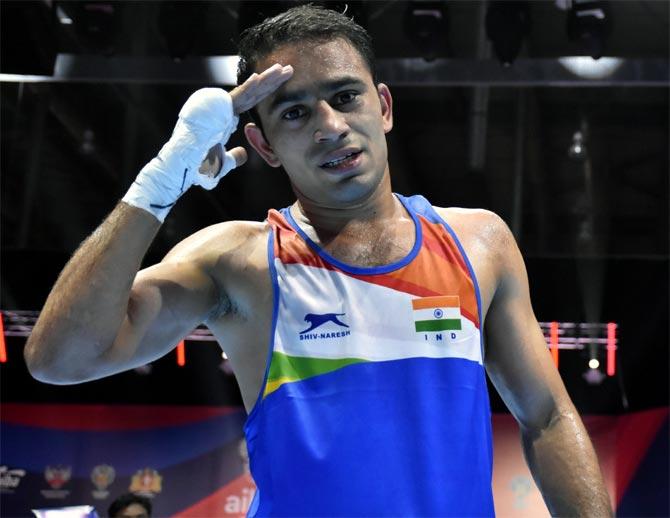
196 153
206 119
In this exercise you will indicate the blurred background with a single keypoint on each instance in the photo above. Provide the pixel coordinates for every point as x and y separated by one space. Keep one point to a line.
553 114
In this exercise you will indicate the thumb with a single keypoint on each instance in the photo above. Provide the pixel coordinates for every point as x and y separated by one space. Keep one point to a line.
232 159
239 154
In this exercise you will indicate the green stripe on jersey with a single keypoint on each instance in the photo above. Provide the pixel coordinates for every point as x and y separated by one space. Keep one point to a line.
447 324
300 367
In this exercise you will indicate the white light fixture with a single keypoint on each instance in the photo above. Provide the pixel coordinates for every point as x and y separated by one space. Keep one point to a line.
589 68
593 363
577 149
223 69
62 16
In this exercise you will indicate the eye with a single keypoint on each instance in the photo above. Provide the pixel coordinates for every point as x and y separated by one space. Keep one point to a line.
293 114
346 97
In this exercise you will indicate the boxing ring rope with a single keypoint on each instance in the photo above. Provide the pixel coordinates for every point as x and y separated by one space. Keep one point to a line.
557 335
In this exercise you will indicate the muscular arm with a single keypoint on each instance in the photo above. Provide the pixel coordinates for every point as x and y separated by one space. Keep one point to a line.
103 317
556 445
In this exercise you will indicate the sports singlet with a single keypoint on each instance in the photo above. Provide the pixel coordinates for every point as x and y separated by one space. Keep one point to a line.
374 401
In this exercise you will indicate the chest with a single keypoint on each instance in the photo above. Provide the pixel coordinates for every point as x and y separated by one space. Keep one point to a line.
370 247
430 274
311 309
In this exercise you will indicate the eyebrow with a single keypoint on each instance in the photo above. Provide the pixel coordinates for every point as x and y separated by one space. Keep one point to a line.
326 86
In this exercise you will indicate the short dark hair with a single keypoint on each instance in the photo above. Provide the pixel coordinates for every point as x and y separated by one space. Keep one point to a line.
126 499
311 23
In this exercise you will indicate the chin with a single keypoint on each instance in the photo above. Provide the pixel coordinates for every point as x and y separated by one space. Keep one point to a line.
355 189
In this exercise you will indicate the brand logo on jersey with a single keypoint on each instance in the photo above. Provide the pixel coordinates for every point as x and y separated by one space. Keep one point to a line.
316 321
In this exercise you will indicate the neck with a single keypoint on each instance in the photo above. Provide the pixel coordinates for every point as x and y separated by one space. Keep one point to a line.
380 206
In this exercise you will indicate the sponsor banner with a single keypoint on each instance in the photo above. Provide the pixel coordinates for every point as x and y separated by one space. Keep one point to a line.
89 455
10 479
57 477
198 467
146 482
102 477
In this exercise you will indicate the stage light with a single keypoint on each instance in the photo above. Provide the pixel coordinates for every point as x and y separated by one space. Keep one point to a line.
3 346
594 363
589 68
179 23
611 348
223 69
62 16
181 354
96 24
426 25
507 24
553 342
577 150
589 24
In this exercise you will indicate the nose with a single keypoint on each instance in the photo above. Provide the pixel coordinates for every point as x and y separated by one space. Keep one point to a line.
330 124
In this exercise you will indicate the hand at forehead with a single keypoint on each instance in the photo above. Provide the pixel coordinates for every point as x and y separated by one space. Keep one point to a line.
258 86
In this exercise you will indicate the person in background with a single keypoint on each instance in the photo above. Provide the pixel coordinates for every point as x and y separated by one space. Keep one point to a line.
130 505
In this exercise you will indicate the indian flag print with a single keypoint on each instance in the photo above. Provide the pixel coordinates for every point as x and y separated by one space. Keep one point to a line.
437 314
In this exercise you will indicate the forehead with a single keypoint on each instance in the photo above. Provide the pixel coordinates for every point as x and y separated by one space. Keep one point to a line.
133 510
316 62
337 54
313 57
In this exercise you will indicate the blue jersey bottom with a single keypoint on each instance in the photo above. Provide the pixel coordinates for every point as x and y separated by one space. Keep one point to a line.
406 437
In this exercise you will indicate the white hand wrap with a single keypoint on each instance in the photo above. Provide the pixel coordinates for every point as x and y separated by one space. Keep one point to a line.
206 119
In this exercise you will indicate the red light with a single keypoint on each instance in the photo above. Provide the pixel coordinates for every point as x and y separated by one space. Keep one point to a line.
181 354
611 348
3 347
553 341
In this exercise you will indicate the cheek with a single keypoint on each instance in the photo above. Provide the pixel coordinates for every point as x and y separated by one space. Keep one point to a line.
289 149
373 128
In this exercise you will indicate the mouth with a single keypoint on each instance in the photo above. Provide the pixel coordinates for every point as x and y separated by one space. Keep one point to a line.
342 162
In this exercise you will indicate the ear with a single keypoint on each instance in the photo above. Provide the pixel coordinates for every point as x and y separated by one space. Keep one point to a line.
257 140
386 102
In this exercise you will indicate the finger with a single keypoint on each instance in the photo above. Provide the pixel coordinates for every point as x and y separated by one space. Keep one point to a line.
258 86
271 79
217 163
239 154
232 159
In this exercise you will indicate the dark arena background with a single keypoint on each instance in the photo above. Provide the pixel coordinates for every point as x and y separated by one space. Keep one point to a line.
499 105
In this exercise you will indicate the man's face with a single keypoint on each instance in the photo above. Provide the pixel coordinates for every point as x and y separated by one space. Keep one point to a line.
326 125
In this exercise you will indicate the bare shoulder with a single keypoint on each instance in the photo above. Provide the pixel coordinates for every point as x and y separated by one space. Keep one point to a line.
231 242
462 215
479 227
489 245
